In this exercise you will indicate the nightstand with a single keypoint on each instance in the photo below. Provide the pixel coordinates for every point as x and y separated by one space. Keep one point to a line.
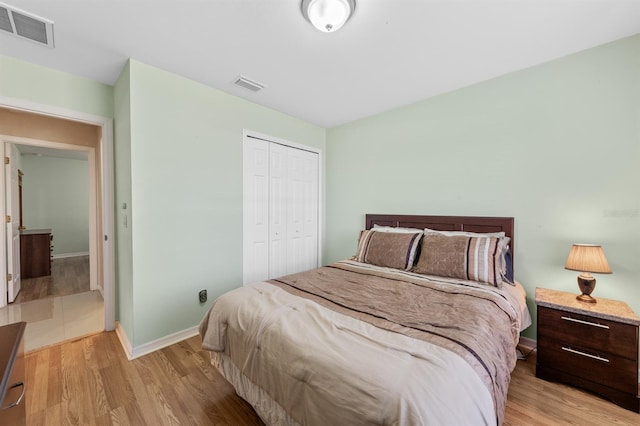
592 346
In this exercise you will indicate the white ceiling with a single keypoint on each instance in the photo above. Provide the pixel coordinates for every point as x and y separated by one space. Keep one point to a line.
391 53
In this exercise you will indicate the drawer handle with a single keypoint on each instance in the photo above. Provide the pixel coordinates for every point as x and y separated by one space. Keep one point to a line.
594 324
573 351
15 385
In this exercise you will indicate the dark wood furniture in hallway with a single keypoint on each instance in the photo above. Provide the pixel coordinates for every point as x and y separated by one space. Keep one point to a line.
35 253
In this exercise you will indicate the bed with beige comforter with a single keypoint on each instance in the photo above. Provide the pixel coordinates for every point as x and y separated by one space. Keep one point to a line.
353 343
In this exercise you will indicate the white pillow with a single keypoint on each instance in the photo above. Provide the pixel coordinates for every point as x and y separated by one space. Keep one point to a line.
380 228
500 234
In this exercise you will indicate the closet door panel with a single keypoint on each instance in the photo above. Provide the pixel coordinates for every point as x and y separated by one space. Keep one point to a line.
302 211
277 210
295 210
255 210
310 208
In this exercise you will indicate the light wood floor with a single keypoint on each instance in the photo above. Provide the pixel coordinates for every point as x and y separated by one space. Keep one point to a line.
90 381
532 401
69 275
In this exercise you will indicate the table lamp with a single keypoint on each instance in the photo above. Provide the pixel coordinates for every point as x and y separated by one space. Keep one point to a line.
587 258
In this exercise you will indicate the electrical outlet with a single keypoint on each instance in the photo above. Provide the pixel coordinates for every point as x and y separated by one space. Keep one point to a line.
202 295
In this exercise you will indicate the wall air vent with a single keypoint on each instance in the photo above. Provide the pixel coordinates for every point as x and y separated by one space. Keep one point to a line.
26 25
248 84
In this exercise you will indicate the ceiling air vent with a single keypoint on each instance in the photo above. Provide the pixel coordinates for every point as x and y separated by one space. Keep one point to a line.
26 25
248 84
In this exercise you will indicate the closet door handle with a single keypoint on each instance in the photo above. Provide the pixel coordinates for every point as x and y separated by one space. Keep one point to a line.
19 400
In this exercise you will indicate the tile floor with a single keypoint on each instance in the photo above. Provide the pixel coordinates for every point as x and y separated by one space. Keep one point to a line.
56 319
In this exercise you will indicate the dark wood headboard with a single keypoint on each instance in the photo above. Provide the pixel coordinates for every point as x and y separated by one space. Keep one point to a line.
447 223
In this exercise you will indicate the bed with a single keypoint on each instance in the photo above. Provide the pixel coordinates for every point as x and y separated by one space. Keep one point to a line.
409 331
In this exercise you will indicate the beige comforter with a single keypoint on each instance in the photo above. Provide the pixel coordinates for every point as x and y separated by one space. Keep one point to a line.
355 344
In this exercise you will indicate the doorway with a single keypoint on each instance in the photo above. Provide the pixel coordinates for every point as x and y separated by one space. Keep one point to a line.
54 213
101 194
56 288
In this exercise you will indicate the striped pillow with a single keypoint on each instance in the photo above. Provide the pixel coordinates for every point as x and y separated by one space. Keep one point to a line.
506 265
389 249
461 256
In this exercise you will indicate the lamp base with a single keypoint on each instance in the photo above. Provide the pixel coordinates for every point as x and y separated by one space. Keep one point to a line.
586 298
587 283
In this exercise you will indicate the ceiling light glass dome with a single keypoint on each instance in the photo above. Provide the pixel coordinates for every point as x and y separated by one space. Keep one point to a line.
328 15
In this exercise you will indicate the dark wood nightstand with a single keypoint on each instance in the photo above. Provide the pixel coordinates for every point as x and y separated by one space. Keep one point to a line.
592 346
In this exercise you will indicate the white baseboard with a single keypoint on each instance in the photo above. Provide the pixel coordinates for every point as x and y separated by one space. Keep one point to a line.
147 348
63 255
124 341
527 343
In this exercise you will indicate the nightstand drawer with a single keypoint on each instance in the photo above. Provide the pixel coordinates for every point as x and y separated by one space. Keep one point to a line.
587 332
606 369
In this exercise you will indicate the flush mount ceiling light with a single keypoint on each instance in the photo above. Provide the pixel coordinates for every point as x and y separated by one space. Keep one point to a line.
328 15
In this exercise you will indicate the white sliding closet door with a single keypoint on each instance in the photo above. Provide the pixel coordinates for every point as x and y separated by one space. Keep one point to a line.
255 210
277 210
302 211
280 227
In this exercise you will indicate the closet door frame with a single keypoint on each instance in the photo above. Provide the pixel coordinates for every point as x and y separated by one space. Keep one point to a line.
250 134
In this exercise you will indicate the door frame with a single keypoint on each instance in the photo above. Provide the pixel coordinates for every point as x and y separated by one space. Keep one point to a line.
91 179
11 207
106 213
12 228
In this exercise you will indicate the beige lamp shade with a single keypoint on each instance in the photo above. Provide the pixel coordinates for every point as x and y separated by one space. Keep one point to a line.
587 258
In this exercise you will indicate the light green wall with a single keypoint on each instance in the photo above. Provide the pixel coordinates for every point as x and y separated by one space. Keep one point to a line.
122 197
556 146
186 193
26 81
55 194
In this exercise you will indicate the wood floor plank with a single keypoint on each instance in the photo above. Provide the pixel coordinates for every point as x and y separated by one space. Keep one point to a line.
179 357
37 374
170 364
99 393
119 417
164 408
118 392
95 384
54 377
